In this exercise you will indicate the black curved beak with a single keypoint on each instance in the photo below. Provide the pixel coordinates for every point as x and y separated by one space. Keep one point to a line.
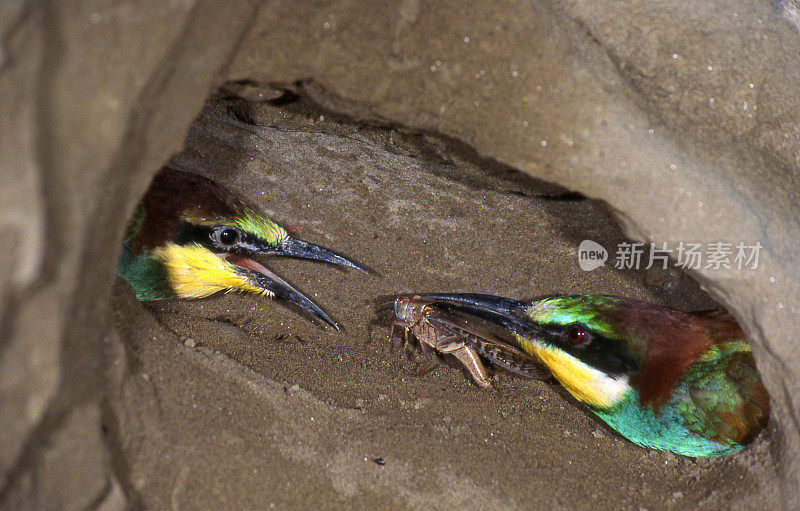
292 247
267 280
501 311
304 250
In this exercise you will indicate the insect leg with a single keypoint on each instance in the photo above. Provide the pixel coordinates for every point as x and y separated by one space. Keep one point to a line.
469 357
391 331
429 363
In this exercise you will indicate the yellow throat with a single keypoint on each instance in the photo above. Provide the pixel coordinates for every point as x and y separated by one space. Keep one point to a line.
585 383
196 272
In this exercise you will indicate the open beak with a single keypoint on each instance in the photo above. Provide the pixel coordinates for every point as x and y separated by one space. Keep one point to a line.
266 279
291 247
304 250
501 311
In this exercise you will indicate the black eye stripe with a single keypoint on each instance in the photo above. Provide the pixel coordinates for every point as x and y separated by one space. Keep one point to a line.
611 356
563 334
209 236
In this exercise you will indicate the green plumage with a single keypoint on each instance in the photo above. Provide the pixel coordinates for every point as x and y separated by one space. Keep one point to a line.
665 430
190 238
146 275
665 379
717 393
693 422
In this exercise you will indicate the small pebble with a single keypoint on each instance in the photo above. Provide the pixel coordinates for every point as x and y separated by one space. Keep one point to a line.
294 388
597 433
189 342
379 461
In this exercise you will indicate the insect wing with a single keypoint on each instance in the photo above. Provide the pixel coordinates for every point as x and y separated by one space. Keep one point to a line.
510 358
485 344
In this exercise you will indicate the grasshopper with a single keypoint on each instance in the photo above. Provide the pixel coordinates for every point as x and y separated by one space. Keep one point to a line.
435 327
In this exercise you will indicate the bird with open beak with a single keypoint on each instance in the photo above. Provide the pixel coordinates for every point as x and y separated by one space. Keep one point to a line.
191 238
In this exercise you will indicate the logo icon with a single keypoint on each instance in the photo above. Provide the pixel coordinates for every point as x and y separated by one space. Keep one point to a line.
591 255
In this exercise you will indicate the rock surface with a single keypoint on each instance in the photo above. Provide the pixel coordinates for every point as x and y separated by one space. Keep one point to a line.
681 117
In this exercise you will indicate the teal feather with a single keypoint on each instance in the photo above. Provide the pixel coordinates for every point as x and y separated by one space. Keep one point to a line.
587 309
664 430
722 394
697 419
146 275
681 382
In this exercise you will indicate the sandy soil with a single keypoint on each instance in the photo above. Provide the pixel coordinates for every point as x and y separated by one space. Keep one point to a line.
246 403
682 116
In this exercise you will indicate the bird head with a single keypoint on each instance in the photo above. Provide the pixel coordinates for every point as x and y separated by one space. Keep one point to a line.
599 347
200 239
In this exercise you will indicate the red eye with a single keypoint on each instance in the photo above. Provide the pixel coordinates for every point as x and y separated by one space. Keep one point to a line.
576 334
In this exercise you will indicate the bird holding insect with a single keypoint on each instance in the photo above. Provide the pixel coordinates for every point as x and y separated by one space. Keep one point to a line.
682 382
449 334
191 238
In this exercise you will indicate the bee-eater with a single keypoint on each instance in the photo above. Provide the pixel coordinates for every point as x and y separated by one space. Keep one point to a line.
670 380
191 238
